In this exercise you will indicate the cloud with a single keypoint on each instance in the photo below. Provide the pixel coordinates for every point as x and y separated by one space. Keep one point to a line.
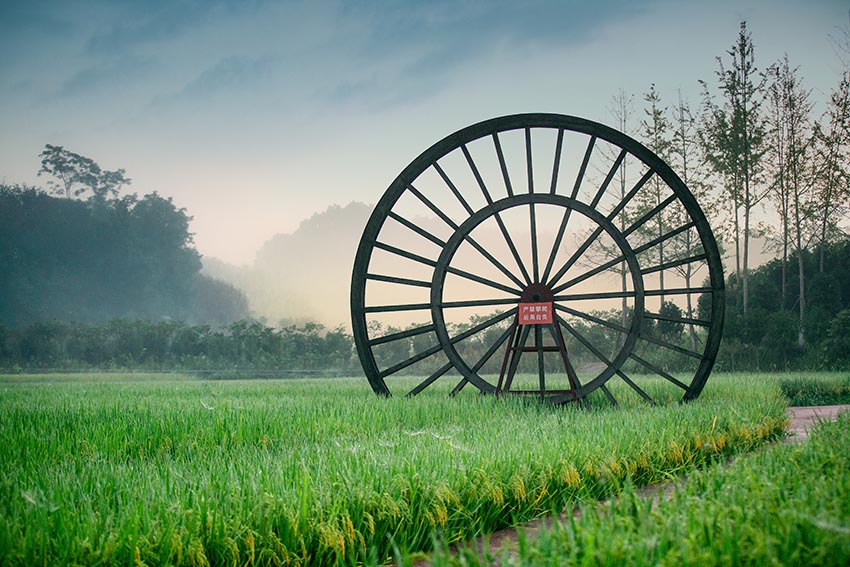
106 75
152 21
231 74
403 51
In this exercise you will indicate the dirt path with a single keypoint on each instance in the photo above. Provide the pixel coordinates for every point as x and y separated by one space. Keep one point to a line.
802 421
804 418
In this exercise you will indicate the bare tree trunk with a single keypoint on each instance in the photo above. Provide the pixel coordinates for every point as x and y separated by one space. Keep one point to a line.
737 227
826 206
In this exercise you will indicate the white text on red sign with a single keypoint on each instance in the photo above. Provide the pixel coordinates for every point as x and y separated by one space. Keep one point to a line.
535 313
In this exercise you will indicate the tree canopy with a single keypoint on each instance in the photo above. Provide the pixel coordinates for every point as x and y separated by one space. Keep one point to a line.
103 257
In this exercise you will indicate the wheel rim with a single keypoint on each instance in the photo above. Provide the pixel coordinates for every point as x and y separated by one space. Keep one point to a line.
638 242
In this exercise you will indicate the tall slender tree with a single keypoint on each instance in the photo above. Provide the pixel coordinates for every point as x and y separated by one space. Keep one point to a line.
832 165
686 159
621 108
794 111
656 134
779 190
733 138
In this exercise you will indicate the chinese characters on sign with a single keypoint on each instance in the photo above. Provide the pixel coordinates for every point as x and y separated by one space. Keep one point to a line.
535 313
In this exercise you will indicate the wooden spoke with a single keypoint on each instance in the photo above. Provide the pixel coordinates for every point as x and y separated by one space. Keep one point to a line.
483 325
528 160
541 371
572 375
412 360
456 390
481 280
608 179
674 263
597 295
670 346
609 395
562 229
590 273
434 209
481 250
396 308
651 213
566 218
535 264
677 291
405 254
583 340
395 280
664 237
406 334
557 163
532 217
630 195
656 370
453 188
479 303
591 318
505 233
417 229
683 320
429 380
583 168
484 358
635 387
576 255
502 165
437 348
476 174
522 336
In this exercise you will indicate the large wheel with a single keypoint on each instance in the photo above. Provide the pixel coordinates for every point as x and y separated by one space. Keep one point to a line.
538 207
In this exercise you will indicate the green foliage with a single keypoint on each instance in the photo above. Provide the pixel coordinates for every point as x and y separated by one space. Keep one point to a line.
76 174
768 338
787 505
816 390
116 470
76 261
172 345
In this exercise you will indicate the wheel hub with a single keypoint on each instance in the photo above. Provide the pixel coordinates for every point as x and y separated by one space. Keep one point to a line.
536 293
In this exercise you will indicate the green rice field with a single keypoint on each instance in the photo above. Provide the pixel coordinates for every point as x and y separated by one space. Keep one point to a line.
786 505
171 470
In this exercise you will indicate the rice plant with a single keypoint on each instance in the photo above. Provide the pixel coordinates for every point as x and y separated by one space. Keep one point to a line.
110 471
787 505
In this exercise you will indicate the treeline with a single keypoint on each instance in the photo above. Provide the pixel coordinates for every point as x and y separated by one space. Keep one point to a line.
102 257
243 347
767 337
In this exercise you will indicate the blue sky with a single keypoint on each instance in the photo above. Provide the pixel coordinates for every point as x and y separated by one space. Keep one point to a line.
253 115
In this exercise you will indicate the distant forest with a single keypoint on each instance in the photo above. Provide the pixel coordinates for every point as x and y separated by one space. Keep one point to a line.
92 279
89 255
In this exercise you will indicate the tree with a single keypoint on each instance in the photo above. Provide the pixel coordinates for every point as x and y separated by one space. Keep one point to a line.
77 174
733 141
832 164
777 157
669 329
793 144
686 159
621 110
655 130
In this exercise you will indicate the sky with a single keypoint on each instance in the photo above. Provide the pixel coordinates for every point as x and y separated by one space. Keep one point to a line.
254 115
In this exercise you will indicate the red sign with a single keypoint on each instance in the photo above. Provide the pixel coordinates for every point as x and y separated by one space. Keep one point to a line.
535 313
